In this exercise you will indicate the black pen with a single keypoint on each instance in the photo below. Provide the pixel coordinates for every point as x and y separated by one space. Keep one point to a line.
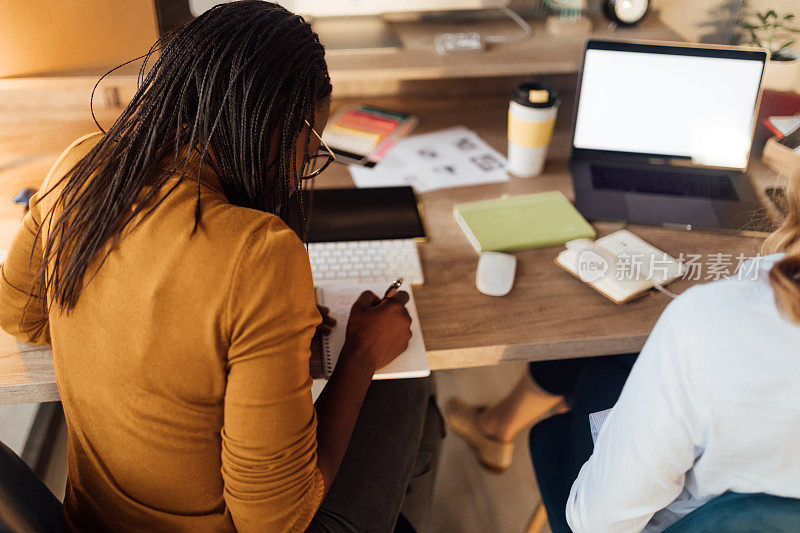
393 287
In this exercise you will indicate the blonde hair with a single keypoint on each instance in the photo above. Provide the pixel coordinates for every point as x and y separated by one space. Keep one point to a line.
785 275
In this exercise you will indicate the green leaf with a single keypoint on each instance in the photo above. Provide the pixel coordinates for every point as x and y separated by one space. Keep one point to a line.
771 14
788 16
785 45
748 26
781 54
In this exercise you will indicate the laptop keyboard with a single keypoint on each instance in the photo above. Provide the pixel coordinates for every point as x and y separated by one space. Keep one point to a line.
365 261
699 185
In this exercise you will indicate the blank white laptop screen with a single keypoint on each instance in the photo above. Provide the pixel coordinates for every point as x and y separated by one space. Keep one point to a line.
673 105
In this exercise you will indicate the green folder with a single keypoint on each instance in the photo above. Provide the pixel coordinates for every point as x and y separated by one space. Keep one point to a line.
519 222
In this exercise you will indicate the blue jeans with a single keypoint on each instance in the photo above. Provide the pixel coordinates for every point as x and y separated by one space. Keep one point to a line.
590 384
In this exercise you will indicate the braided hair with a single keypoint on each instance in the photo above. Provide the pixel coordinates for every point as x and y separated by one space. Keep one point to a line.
233 89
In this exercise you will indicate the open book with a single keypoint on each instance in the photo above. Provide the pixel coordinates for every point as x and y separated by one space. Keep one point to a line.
620 266
339 298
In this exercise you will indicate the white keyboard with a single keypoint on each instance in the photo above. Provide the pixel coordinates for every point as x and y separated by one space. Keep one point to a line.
366 261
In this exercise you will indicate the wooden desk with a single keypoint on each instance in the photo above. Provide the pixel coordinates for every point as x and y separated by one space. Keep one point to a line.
549 314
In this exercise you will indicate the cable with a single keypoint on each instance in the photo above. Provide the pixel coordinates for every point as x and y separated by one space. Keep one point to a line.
661 288
527 31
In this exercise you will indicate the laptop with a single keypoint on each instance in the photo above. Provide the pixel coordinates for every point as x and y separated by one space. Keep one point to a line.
663 132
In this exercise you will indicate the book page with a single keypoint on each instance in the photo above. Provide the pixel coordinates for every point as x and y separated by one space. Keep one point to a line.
596 421
453 157
339 298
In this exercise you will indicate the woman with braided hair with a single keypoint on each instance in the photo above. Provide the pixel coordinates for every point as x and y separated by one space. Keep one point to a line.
163 261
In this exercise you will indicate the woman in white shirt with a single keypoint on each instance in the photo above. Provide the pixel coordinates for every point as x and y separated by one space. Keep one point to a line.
712 404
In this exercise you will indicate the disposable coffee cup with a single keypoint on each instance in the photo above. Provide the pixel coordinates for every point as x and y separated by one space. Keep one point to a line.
531 117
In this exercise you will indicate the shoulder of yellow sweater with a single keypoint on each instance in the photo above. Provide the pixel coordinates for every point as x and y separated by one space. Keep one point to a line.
69 157
256 232
267 247
270 230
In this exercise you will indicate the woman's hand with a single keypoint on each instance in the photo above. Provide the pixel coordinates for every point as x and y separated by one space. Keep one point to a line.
328 322
377 330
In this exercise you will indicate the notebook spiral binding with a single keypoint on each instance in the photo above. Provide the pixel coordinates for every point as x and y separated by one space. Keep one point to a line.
327 360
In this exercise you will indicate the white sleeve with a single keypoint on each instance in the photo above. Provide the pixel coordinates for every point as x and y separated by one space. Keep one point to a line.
646 445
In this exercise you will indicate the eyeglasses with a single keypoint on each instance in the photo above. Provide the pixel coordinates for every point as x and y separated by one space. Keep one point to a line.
318 162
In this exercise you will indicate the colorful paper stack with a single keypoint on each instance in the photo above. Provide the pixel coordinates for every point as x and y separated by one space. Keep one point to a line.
363 134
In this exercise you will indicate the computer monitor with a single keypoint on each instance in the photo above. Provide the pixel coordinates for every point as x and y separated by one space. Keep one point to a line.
695 103
355 25
349 8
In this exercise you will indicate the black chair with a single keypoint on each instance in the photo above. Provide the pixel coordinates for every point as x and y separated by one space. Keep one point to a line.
729 513
26 504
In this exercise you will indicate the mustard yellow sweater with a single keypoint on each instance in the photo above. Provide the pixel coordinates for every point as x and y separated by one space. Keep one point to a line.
183 368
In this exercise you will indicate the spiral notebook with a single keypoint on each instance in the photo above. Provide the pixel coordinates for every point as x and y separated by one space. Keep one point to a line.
339 298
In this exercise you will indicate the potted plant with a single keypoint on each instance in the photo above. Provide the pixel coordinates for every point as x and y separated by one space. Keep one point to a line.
773 32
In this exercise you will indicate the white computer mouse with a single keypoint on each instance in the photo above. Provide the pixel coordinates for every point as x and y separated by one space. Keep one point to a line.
495 275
